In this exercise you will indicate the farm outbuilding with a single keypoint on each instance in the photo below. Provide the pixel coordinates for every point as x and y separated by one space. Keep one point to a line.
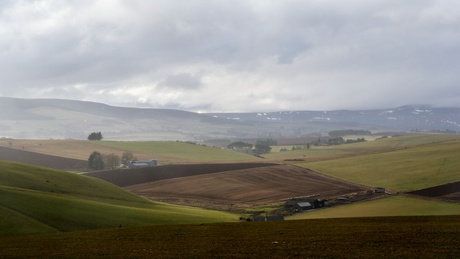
142 163
380 190
304 204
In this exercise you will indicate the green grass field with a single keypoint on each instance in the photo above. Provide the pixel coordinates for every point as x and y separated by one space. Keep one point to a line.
39 200
411 168
384 207
180 151
317 153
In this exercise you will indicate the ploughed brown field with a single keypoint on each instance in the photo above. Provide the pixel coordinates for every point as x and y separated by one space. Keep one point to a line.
38 159
449 191
228 186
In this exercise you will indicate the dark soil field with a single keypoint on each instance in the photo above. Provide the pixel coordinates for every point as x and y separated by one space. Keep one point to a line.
127 177
381 237
231 189
450 191
33 158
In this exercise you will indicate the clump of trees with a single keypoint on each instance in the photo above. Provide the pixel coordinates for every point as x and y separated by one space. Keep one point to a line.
262 146
111 161
340 140
127 157
98 161
95 136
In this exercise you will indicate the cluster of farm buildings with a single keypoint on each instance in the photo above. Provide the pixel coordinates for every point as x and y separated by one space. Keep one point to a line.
297 205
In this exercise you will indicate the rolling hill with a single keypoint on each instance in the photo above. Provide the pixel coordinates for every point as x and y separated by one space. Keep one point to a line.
406 169
54 118
38 200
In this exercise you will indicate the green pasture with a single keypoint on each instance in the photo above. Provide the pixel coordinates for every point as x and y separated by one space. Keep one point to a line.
384 207
15 223
180 150
314 153
336 151
38 200
405 169
26 177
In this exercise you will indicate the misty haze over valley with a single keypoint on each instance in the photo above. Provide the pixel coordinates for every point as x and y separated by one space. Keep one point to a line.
62 119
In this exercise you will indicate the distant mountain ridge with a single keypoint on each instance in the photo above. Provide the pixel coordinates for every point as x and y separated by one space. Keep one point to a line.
57 118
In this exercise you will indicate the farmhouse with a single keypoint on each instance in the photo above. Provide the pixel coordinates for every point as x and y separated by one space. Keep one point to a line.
142 163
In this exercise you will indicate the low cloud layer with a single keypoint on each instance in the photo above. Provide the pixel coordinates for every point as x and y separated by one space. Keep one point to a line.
203 55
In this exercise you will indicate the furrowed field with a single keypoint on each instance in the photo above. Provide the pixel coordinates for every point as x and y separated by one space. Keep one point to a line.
394 237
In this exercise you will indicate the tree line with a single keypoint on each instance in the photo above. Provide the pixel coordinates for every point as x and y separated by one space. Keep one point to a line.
261 146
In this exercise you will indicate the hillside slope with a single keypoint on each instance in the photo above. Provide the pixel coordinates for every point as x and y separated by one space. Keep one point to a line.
38 200
406 169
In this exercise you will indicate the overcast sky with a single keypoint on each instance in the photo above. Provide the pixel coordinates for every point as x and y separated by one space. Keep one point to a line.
211 55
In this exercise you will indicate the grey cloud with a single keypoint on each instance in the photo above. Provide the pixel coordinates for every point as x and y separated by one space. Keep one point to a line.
181 81
307 50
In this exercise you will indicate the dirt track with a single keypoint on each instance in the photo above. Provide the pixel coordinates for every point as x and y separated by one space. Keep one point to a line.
127 177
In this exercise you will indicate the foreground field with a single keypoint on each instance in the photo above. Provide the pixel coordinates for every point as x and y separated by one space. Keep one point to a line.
393 237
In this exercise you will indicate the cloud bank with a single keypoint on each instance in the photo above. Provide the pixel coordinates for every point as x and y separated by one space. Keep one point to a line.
216 55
